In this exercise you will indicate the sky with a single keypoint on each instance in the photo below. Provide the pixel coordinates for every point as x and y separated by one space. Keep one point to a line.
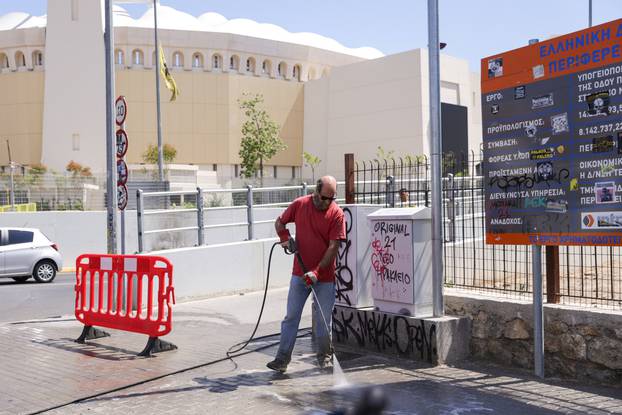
472 29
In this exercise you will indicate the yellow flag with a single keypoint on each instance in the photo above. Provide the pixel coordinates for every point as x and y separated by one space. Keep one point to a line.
168 78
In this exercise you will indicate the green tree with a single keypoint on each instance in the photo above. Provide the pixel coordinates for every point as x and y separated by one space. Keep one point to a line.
260 137
382 154
311 161
150 156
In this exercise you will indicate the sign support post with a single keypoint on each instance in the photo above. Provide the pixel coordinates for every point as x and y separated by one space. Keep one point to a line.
538 320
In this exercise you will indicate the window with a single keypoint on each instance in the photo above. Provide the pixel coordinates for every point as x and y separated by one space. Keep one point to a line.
19 237
197 60
237 170
216 63
20 60
296 72
118 57
311 74
266 67
178 60
234 63
282 69
293 172
215 167
4 61
250 65
37 58
274 169
138 58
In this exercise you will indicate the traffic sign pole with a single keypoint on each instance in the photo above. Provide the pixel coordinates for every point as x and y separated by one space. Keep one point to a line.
111 171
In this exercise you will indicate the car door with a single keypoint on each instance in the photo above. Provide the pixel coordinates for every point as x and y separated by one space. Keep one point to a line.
19 252
2 246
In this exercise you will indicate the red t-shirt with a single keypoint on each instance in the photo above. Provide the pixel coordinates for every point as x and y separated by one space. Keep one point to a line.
314 229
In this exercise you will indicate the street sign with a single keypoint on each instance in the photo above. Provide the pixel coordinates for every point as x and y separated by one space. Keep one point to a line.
122 172
121 143
120 106
122 196
552 136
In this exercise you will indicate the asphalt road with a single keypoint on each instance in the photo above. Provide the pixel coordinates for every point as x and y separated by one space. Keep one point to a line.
30 300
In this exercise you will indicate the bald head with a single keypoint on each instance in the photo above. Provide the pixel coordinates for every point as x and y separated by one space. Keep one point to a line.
325 192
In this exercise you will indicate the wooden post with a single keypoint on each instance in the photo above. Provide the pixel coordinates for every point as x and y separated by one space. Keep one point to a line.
552 274
349 176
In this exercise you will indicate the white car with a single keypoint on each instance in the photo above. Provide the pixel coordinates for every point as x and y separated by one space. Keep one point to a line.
25 253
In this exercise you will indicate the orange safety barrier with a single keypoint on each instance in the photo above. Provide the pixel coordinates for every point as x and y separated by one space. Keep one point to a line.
125 292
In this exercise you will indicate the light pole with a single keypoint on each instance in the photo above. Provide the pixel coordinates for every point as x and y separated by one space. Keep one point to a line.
435 147
157 79
111 166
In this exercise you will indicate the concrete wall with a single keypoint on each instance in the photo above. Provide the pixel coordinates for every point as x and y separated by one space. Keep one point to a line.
74 111
579 343
384 102
85 232
226 268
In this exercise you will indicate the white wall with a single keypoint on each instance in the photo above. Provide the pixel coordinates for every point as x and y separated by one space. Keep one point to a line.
226 268
382 102
75 86
79 233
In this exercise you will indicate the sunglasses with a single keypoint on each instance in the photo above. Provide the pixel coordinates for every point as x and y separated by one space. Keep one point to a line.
324 198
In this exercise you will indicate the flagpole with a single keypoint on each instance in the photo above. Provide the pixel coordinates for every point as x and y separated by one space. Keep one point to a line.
157 79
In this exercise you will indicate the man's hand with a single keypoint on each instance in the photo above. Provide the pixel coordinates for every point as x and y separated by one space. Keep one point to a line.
284 237
310 278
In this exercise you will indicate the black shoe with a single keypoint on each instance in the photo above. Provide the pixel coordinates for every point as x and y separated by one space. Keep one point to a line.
325 362
277 365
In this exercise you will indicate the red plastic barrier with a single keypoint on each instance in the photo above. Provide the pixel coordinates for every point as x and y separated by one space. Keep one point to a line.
146 281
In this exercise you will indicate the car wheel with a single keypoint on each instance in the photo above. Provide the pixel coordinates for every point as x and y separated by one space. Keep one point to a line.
20 279
45 271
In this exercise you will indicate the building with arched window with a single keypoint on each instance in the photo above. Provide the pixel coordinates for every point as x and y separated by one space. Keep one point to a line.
226 59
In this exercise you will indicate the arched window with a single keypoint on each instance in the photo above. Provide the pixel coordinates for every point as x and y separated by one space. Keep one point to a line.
216 61
119 58
296 72
20 59
4 61
250 65
197 60
37 58
234 62
282 69
137 57
266 67
178 60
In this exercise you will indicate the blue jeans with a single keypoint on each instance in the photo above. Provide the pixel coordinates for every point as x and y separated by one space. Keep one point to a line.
296 299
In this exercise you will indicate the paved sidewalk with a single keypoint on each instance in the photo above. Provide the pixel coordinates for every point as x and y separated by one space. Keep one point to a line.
41 368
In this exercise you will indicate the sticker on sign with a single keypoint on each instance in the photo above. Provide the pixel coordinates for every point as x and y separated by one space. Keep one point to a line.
121 196
121 143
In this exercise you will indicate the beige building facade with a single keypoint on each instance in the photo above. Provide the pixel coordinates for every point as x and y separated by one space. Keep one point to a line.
327 99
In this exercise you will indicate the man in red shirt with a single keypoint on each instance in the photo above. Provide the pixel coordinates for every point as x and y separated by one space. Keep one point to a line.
320 227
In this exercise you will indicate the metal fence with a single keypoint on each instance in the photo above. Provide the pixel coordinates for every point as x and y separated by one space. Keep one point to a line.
584 275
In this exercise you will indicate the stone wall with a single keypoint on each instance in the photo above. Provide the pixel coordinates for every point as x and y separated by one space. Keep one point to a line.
580 343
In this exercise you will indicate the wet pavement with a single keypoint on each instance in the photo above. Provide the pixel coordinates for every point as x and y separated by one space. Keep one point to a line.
41 368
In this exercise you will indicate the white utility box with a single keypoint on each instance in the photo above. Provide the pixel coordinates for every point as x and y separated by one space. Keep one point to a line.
353 271
401 260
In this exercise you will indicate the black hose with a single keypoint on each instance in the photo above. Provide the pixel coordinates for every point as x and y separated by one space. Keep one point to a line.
263 303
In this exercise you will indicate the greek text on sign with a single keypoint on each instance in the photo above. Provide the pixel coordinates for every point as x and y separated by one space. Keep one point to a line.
552 166
392 261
